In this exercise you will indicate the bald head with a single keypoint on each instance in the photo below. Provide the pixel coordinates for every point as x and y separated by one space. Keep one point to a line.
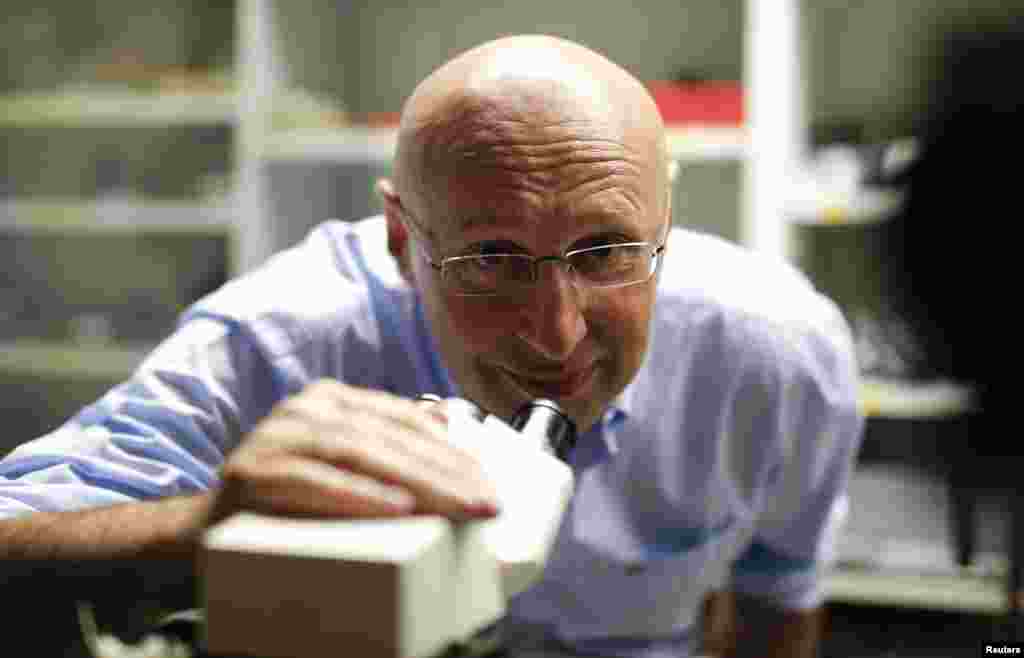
484 109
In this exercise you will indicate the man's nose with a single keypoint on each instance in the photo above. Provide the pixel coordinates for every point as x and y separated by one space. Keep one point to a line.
553 322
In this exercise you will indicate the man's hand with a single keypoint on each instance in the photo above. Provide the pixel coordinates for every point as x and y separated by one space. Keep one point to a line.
338 451
737 626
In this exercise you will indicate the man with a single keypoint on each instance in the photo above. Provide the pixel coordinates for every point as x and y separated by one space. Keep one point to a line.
525 251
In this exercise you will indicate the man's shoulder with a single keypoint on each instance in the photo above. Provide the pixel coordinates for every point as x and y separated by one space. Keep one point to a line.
331 267
712 289
335 275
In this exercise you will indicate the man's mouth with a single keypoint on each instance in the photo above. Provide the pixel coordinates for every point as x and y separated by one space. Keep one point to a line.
554 385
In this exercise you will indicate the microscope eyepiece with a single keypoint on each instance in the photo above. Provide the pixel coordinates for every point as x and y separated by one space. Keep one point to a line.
541 421
544 421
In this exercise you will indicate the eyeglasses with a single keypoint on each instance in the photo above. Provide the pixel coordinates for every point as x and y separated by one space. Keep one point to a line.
606 266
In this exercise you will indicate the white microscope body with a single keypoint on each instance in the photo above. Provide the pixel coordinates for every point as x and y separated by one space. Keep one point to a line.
394 588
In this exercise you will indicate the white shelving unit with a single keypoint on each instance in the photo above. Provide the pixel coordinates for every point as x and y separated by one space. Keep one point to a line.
104 107
140 108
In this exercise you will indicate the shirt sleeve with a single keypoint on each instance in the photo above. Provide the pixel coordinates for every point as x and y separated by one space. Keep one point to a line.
163 432
815 417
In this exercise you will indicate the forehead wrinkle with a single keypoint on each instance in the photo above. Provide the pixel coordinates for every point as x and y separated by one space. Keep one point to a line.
549 173
594 190
547 153
531 148
468 124
544 173
574 167
599 184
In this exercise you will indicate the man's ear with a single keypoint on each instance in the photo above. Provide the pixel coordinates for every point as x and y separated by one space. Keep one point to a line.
398 234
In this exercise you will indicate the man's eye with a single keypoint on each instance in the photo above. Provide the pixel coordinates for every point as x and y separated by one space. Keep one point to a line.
493 247
594 259
616 261
602 240
487 262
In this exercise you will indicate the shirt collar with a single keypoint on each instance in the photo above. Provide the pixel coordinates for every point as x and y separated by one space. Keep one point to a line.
617 413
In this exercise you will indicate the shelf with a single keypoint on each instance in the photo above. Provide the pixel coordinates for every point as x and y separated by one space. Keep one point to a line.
963 592
342 145
118 107
882 398
896 546
707 143
31 357
115 216
377 145
866 207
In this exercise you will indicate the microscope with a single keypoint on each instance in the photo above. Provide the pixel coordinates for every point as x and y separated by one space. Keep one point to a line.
414 587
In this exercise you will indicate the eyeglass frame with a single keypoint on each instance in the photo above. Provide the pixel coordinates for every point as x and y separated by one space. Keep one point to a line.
657 252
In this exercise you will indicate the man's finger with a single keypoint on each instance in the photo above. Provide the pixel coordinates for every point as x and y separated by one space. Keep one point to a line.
353 413
389 459
295 486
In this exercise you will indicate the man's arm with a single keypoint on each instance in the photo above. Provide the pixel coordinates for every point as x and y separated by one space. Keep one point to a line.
803 409
77 549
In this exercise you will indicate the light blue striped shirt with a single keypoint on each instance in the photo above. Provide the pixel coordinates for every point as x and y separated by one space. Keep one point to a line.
724 463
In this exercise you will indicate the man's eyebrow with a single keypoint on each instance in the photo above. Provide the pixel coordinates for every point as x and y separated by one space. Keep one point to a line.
489 220
599 225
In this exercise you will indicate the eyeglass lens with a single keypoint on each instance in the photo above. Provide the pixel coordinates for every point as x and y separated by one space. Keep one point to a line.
607 265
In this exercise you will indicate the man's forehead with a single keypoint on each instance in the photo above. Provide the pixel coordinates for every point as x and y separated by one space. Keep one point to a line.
541 115
607 213
505 171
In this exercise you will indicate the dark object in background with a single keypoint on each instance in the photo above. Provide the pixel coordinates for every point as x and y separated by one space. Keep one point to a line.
951 257
951 247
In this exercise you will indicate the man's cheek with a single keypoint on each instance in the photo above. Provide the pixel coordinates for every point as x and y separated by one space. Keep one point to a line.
477 324
622 329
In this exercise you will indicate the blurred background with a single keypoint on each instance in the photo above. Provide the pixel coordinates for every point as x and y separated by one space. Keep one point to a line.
149 151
